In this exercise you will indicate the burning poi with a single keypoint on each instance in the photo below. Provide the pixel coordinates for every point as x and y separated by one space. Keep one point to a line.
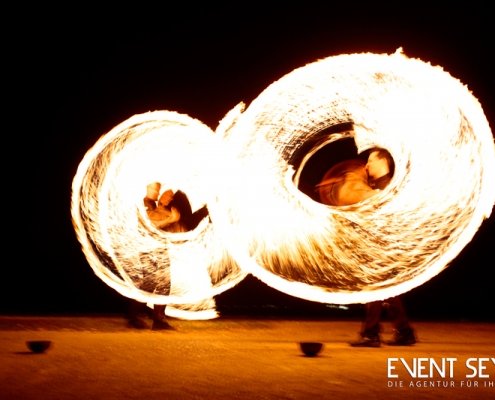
259 222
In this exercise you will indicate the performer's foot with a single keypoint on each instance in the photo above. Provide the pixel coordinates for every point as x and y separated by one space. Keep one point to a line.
402 338
162 325
138 323
365 341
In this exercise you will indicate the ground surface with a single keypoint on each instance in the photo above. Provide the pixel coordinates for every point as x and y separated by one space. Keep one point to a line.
102 358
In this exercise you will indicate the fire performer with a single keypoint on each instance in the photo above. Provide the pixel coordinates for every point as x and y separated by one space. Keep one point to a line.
380 169
350 182
163 216
344 184
166 218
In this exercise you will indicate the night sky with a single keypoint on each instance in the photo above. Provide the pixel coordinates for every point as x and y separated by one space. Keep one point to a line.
87 78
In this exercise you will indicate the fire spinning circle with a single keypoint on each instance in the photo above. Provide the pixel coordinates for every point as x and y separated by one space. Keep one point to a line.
122 246
441 191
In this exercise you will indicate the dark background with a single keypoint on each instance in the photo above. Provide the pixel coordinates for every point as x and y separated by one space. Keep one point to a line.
87 73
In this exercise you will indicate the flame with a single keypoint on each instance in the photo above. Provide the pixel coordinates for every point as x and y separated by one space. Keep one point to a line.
441 191
121 245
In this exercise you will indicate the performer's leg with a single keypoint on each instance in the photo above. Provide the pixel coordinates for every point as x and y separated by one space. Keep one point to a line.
159 319
158 312
404 334
371 326
397 313
371 323
136 313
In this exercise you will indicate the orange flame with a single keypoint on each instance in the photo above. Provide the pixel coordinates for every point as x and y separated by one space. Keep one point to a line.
441 191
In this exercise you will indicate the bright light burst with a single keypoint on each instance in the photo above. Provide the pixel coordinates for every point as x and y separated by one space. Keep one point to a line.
441 191
122 246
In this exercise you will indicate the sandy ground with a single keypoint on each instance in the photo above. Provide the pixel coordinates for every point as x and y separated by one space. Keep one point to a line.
102 358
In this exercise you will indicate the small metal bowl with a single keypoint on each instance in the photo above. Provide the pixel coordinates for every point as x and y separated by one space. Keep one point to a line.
311 349
38 346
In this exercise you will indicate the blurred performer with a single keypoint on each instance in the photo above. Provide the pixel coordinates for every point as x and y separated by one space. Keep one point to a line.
167 218
180 276
172 213
350 182
345 183
380 168
162 215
